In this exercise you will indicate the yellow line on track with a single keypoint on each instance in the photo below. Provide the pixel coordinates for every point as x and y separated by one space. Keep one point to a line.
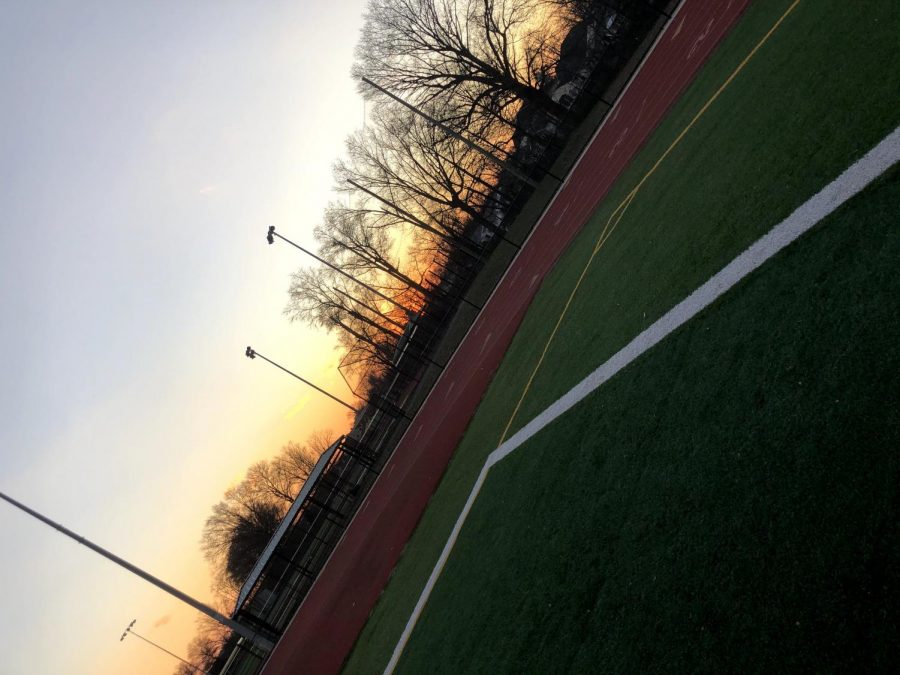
616 216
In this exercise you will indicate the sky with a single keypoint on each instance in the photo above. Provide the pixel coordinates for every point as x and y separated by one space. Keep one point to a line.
144 149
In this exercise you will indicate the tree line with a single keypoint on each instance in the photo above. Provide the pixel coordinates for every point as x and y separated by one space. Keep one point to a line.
413 195
240 526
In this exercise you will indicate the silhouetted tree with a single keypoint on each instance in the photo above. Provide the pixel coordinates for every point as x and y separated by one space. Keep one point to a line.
349 242
206 647
478 58
437 183
314 300
282 477
320 297
241 524
248 539
238 530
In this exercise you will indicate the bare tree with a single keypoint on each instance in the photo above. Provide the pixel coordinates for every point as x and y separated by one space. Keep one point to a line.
320 297
249 538
433 181
238 530
364 328
480 57
207 645
282 477
350 242
319 441
241 524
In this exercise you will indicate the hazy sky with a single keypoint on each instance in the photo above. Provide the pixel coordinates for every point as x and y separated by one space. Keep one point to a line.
144 148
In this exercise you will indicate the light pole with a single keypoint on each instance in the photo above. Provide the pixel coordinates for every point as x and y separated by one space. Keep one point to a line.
128 629
251 353
465 244
237 627
381 328
270 237
356 301
447 130
378 402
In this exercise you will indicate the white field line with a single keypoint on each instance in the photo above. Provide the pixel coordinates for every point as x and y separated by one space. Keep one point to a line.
849 183
610 114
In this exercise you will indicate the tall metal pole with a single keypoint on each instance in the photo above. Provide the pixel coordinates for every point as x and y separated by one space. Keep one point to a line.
238 628
467 246
447 130
357 301
128 630
270 237
360 302
250 353
378 401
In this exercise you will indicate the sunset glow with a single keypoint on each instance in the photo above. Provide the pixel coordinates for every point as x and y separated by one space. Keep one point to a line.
146 147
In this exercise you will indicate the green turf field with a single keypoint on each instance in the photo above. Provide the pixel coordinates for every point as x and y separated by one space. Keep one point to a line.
731 497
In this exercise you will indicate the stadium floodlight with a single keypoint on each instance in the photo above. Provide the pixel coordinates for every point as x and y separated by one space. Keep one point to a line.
129 630
377 401
236 626
251 353
270 237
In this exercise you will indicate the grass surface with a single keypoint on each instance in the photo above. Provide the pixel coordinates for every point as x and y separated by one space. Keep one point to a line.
818 95
729 503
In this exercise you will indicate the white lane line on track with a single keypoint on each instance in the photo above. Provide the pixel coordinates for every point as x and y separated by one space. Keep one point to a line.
487 339
449 390
875 162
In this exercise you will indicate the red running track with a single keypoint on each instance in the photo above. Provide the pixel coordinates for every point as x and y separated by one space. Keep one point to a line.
323 632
